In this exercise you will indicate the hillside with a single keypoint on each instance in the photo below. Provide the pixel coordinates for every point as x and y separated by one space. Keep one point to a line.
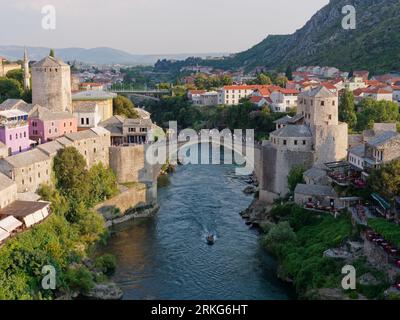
373 45
102 55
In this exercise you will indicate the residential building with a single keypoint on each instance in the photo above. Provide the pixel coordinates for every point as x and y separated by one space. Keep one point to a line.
8 191
125 131
14 131
283 100
87 115
29 170
45 125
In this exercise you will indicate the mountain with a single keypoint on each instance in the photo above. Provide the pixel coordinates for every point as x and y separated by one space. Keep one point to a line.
373 45
102 55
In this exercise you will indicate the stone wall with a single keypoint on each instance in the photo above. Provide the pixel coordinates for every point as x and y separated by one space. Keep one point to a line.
135 196
276 167
128 163
8 195
4 68
330 143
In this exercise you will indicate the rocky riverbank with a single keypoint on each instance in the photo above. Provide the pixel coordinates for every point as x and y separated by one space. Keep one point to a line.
299 238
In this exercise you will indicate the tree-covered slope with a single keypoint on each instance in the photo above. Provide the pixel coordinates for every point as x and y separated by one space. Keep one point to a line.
373 45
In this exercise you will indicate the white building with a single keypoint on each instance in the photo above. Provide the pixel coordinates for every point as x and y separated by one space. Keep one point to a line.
231 95
283 100
87 114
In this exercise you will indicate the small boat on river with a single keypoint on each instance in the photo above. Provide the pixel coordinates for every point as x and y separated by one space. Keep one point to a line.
210 239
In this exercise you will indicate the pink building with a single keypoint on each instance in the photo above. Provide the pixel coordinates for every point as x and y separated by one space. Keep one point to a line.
14 131
45 125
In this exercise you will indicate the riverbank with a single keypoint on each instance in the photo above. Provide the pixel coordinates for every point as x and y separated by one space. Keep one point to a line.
312 249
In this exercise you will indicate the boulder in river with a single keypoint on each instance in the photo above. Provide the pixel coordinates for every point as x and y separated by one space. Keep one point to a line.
105 291
249 190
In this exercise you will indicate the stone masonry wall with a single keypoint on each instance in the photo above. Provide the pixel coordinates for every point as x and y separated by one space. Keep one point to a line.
131 198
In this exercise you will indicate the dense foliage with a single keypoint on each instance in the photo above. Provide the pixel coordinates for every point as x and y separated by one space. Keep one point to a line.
347 109
242 116
295 177
300 237
63 240
372 111
122 106
386 180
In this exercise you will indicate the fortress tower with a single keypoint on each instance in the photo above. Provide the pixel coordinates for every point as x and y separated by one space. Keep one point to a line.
51 84
311 138
319 107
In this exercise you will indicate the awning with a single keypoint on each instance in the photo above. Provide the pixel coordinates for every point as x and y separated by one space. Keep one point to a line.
10 224
4 234
381 201
29 221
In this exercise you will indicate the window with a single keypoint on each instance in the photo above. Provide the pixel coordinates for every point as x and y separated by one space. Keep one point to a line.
322 103
49 131
82 120
284 142
94 150
65 124
16 136
330 117
24 134
333 102
295 142
87 120
304 142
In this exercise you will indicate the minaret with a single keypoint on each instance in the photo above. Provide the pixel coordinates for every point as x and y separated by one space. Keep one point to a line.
27 76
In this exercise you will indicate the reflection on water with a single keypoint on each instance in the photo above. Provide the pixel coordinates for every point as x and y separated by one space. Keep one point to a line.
167 257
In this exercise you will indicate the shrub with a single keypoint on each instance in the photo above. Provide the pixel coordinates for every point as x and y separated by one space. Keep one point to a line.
107 264
80 279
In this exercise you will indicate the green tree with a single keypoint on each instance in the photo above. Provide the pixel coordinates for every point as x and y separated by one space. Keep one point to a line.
71 175
295 177
281 81
278 234
52 53
123 106
103 184
16 74
376 111
386 180
10 89
263 79
289 73
347 110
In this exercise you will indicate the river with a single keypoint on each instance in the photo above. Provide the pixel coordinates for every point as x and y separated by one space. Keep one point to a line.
167 257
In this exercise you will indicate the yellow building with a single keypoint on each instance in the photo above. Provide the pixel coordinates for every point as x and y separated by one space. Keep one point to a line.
104 101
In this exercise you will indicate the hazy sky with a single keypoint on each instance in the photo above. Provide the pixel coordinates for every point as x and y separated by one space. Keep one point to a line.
154 26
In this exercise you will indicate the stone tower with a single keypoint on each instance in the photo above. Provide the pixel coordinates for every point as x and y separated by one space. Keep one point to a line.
320 109
51 84
27 75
